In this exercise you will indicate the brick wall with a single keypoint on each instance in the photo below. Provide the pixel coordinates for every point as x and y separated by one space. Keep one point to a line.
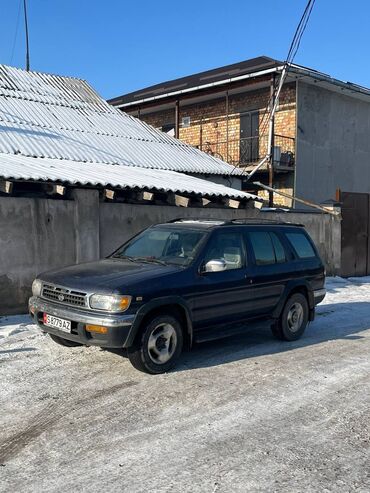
212 132
208 122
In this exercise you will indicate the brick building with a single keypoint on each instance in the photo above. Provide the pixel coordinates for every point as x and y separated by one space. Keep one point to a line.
224 112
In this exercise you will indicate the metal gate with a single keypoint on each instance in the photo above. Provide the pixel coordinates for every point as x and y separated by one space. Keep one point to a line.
355 233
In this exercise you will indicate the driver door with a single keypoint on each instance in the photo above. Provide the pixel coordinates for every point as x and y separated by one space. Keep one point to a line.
223 297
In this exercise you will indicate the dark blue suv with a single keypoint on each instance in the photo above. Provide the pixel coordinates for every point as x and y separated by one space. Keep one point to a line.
182 282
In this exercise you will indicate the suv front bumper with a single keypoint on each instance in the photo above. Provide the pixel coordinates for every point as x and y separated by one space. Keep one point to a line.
118 325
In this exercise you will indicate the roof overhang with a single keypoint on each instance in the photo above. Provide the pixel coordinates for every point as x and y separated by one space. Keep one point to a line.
75 173
199 93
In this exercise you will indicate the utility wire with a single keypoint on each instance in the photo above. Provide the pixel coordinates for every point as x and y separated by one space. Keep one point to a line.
16 32
293 49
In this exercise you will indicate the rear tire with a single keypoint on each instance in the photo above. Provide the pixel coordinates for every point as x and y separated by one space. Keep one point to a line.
64 342
158 346
293 319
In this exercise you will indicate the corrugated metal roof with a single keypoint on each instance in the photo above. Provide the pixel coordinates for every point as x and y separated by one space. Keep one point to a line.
43 115
17 167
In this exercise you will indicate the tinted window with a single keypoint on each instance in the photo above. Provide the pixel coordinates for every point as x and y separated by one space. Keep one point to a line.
279 249
262 247
301 245
227 246
267 248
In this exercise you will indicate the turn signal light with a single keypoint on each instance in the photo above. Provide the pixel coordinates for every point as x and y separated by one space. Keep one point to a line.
99 329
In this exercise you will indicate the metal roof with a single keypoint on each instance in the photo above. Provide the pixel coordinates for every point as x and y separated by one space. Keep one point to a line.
49 116
222 77
17 167
195 80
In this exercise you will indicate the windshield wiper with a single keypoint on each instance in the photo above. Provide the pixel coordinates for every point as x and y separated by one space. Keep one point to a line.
149 260
123 257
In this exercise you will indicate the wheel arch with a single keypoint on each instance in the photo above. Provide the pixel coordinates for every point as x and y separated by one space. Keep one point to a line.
296 287
174 305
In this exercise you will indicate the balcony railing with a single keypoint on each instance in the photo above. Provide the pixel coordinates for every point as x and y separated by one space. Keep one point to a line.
246 152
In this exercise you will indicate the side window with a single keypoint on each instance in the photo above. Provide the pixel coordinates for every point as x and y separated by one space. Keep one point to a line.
262 247
227 246
267 248
301 245
279 249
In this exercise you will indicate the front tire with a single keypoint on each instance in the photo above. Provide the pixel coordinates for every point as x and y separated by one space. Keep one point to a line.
64 342
158 346
293 319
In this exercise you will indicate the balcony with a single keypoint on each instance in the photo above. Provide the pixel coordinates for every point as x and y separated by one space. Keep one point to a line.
248 152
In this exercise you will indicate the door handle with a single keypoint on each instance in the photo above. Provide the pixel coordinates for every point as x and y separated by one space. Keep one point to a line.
250 280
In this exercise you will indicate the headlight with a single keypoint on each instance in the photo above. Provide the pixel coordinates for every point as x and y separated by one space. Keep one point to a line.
36 287
110 302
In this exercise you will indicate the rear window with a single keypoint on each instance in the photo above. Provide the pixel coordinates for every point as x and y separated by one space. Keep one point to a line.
301 245
267 248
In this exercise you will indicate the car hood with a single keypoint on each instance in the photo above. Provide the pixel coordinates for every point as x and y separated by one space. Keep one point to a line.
108 275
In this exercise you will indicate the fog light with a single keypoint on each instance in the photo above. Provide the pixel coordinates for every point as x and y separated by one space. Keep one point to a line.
99 329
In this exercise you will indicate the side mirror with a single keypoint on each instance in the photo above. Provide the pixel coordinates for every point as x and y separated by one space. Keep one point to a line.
217 265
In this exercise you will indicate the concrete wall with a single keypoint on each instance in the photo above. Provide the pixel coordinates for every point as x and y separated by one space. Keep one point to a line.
37 235
333 143
119 222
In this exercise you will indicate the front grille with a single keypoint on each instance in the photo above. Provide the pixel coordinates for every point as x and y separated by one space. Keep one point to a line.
63 295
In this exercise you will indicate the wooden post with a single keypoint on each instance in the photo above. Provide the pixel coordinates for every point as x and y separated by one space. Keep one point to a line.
6 187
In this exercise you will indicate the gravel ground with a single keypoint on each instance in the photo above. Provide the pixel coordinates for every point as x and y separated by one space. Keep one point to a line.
244 414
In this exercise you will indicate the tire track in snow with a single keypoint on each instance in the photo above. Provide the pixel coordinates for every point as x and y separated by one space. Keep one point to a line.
48 417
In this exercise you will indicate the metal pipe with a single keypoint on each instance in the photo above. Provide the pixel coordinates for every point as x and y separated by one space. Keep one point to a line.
293 197
271 142
177 119
257 167
27 40
227 125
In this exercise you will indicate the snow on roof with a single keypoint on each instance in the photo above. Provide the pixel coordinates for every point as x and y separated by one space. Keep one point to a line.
48 116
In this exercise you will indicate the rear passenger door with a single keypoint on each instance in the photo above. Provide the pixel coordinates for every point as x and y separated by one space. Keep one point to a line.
269 272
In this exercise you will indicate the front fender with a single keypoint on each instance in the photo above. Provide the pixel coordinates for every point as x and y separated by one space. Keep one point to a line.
155 304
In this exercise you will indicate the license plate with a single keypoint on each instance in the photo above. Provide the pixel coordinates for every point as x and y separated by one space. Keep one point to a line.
57 323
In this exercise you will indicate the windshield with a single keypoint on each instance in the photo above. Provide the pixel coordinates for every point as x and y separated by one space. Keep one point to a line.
163 245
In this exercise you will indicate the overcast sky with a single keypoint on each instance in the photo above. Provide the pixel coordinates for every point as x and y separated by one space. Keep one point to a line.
121 46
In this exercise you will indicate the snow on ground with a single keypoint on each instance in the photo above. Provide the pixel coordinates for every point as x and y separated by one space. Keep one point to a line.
248 413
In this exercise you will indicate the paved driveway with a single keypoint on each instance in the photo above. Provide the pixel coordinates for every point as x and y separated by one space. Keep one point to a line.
244 414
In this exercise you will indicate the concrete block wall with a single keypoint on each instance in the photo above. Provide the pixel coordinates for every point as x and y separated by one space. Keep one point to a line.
37 235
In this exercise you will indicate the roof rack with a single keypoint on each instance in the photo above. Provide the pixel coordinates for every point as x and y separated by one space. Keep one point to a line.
228 222
255 220
200 220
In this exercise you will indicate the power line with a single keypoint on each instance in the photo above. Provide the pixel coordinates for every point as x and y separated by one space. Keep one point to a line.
274 98
16 32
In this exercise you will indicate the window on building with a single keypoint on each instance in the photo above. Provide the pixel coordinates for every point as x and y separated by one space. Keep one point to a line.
301 245
267 248
185 121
